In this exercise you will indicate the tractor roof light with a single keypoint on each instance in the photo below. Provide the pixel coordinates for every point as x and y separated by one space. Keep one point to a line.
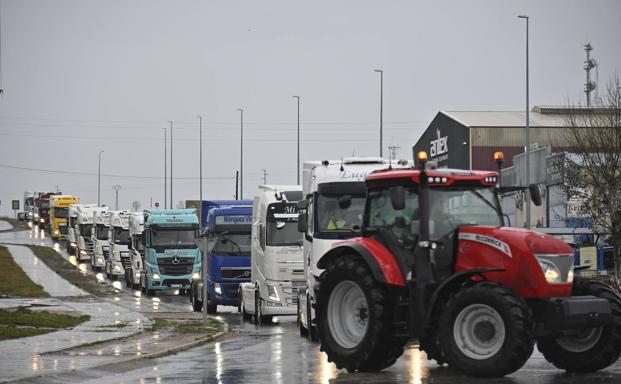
421 156
499 156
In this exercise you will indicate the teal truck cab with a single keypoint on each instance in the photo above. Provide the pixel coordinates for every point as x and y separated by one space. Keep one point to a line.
172 258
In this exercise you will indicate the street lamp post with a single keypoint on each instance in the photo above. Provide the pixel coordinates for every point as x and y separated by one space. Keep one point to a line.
165 169
200 169
241 155
527 192
381 72
171 164
298 170
99 181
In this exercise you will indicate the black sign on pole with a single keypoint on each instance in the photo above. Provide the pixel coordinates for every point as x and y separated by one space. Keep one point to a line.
15 204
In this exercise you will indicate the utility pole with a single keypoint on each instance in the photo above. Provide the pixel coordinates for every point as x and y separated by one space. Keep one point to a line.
236 185
241 154
99 181
527 192
116 188
265 176
381 72
165 169
171 165
298 170
200 170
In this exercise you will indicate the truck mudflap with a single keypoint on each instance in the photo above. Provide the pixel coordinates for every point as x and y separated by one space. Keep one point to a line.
575 312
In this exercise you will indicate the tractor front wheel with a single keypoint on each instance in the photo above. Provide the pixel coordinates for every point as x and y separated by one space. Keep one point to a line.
355 317
486 330
590 349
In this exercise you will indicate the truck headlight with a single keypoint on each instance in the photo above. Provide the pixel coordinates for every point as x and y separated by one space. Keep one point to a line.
217 288
83 252
117 268
196 276
56 232
156 276
73 245
42 221
272 293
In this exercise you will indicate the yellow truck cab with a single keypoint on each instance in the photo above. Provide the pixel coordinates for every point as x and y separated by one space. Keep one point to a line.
59 210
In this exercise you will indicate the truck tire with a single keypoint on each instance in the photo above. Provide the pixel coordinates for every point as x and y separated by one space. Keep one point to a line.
594 348
212 309
312 330
197 305
259 317
486 330
355 316
245 315
301 328
149 292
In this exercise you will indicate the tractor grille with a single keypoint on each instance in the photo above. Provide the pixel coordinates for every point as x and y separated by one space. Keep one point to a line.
125 260
235 273
175 266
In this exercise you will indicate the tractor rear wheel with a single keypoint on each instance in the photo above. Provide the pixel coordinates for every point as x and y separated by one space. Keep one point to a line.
486 330
355 315
590 349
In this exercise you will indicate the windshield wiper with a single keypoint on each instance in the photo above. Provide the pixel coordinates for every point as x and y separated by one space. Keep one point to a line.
239 249
480 195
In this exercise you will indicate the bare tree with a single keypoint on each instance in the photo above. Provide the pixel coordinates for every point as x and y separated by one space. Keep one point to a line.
592 170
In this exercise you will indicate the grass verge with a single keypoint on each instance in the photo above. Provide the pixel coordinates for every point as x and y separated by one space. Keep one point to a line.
13 281
23 322
194 327
15 223
69 272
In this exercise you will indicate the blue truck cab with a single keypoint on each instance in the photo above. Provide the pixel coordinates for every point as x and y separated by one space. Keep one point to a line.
225 239
172 258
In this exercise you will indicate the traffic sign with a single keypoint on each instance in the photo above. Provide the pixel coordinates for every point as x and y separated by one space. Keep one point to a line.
15 204
157 205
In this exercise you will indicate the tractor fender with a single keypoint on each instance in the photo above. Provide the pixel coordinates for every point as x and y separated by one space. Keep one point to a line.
451 284
383 265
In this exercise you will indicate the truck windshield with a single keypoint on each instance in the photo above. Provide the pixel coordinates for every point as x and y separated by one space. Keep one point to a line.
231 244
121 236
173 237
339 213
85 229
281 233
102 232
449 209
61 212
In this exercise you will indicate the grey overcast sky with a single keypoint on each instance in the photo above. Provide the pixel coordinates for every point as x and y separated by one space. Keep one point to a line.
88 75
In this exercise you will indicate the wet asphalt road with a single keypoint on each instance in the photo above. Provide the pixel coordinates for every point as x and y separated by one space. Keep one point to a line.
277 354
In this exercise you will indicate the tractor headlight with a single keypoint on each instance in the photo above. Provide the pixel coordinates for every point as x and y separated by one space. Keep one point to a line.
557 268
272 293
550 271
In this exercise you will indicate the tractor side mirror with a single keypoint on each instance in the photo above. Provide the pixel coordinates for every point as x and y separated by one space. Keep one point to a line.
302 204
535 194
303 222
397 197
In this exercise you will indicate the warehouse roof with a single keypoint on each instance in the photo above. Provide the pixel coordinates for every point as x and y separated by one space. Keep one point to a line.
538 118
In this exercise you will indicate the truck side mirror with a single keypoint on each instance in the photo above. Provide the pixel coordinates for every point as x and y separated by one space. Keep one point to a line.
302 204
397 197
143 239
303 222
535 194
129 245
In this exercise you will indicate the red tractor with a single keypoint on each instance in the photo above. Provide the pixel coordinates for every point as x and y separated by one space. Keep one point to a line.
435 264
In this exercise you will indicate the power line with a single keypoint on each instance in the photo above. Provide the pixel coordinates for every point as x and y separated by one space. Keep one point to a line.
107 175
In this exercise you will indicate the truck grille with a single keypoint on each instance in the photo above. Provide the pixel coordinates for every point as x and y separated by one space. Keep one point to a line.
106 252
125 260
235 273
88 244
63 229
231 290
175 266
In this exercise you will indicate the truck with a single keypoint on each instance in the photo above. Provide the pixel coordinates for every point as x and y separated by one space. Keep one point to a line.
42 210
436 264
277 269
73 232
59 212
334 196
136 250
226 242
172 258
83 230
100 239
118 237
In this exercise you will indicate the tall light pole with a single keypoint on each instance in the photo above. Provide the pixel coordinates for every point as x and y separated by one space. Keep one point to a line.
116 188
381 72
165 168
200 169
99 181
241 154
298 170
527 194
171 164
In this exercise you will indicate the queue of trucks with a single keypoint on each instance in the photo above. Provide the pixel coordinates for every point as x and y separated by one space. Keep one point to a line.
367 254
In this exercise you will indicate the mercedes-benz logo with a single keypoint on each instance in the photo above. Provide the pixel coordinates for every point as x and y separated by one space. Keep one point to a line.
246 273
176 260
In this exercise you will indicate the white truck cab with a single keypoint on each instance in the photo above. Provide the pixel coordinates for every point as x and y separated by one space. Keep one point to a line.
83 230
136 250
277 269
73 228
99 236
119 239
335 194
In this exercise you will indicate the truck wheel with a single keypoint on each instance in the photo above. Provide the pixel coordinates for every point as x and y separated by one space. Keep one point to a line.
486 330
242 305
197 306
212 309
354 313
149 292
258 313
590 349
303 330
312 330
